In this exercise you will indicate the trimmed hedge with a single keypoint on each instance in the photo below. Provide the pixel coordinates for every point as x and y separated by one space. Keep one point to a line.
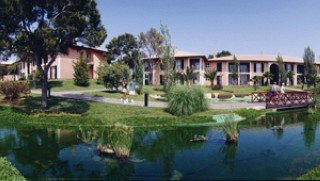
313 174
8 171
225 96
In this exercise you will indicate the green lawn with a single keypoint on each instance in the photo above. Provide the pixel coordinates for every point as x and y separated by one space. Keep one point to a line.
69 112
67 85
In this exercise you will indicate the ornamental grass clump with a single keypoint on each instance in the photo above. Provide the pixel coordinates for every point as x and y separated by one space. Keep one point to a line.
231 130
185 100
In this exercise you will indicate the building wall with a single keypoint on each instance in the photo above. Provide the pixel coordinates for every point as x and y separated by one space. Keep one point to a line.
65 62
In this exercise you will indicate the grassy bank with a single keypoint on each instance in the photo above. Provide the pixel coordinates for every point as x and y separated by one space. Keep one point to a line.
313 174
69 112
8 171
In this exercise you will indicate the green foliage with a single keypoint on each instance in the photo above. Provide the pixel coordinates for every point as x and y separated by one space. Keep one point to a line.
167 58
235 70
313 174
139 76
186 100
151 42
123 48
255 79
290 75
268 76
188 76
81 72
231 130
3 71
13 89
9 172
211 75
310 71
282 71
113 75
223 53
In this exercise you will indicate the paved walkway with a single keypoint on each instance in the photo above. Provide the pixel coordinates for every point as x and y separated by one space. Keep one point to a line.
216 105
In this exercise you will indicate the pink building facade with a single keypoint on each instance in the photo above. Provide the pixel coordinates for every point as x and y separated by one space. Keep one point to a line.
62 67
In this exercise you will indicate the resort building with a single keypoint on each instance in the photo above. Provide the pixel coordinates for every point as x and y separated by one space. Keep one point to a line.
249 66
153 71
256 65
62 67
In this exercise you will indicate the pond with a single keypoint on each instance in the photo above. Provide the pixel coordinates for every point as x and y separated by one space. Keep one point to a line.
164 153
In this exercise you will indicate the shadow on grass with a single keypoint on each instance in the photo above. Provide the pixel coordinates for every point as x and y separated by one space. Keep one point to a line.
52 84
32 105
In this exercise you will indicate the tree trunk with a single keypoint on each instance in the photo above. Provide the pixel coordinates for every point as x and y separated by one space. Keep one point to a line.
44 89
211 82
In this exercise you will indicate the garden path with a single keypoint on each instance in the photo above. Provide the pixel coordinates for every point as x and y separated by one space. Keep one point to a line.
216 105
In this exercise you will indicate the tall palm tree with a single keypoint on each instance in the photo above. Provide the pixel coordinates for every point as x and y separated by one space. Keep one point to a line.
188 76
211 75
268 75
255 80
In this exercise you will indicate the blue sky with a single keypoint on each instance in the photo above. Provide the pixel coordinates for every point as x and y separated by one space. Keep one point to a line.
209 26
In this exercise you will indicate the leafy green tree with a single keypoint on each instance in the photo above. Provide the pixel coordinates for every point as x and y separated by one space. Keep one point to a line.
282 71
310 71
268 75
235 70
47 28
81 72
223 53
167 58
210 56
123 48
114 75
151 45
211 75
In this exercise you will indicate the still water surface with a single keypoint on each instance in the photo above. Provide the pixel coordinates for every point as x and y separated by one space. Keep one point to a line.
154 153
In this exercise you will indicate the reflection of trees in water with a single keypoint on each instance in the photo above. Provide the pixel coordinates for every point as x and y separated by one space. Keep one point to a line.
87 135
164 144
276 119
36 148
309 131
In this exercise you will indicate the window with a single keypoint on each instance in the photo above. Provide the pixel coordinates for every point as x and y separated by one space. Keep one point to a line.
231 67
244 67
179 64
53 72
244 79
258 67
219 80
288 67
207 65
219 67
232 81
300 69
195 64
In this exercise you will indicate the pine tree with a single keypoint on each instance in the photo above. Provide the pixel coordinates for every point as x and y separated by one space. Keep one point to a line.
81 72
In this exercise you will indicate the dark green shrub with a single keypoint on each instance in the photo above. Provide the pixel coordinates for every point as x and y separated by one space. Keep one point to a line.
217 87
8 171
185 100
13 89
224 96
241 95
81 72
